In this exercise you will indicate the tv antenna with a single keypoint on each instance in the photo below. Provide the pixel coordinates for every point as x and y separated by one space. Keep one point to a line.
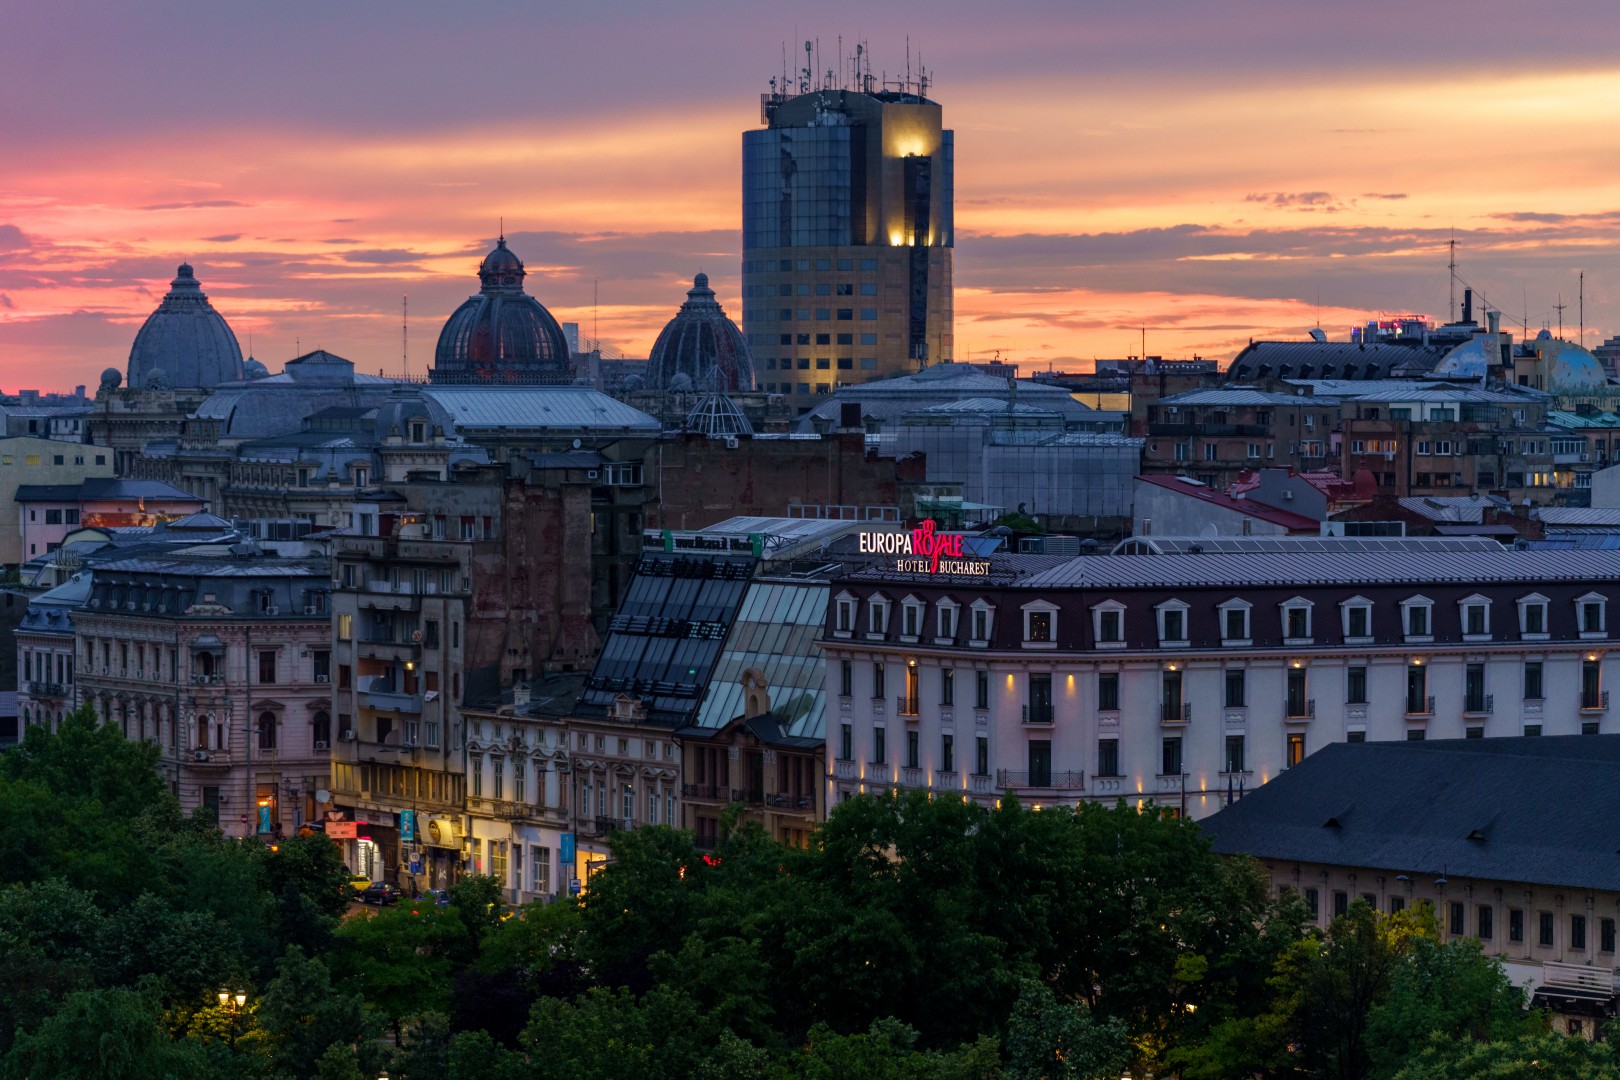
405 334
1559 307
1452 266
1582 341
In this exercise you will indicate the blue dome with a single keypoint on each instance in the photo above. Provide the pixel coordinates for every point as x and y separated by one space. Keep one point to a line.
703 345
185 342
502 334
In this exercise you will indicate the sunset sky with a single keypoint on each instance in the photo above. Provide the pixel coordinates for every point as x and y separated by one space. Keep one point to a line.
1210 171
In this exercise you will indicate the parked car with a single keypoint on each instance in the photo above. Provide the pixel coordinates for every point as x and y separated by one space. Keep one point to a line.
381 893
356 885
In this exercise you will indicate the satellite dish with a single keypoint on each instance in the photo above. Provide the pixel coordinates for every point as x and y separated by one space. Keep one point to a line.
323 796
576 444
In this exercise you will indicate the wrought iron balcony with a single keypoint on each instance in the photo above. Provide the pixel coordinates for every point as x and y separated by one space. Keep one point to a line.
1040 780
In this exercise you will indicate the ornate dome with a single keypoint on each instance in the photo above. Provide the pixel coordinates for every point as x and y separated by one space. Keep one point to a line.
502 334
718 417
702 344
185 339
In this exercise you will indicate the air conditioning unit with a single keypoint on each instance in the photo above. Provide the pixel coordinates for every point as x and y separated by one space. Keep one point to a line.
200 755
323 678
590 475
272 610
312 609
731 442
346 736
322 744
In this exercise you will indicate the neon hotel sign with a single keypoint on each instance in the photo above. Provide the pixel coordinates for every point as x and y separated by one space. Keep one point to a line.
924 550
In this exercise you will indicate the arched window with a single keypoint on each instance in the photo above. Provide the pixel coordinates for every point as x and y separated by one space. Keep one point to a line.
267 731
321 730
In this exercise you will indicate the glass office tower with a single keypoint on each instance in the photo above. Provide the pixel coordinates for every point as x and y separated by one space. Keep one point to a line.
847 237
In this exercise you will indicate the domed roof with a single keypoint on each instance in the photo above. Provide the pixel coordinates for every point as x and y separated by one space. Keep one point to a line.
1570 368
1466 361
718 417
502 334
185 340
702 344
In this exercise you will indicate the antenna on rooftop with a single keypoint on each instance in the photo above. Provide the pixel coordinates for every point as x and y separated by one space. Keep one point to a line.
1452 266
596 332
405 334
1582 341
1559 307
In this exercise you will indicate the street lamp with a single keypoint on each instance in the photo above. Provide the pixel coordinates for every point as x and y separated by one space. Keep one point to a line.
231 1002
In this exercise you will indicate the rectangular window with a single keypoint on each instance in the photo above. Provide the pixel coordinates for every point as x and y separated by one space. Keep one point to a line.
846 742
912 750
1174 624
1577 932
1170 758
1341 903
981 624
1108 691
1299 622
1313 902
1107 757
1515 924
1356 685
1474 688
1535 618
846 678
981 760
1485 917
1040 626
1397 904
1606 935
981 689
1236 685
1295 750
1456 920
1234 754
1544 929
1591 684
1038 710
877 680
267 666
1474 619
1417 621
947 753
1237 624
880 747
947 686
1417 688
345 626
1108 626
1356 623
1532 680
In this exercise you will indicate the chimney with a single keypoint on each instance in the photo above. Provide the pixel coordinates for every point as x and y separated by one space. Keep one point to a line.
520 696
1468 305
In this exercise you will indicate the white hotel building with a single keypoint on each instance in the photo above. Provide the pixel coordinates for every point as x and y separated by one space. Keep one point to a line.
1189 677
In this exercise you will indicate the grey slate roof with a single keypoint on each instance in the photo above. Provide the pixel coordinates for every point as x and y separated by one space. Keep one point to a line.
543 408
1251 570
102 487
1495 809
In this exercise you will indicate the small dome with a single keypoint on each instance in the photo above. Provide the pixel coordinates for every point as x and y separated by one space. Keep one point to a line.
111 377
1466 361
718 417
1570 368
703 345
254 369
185 339
503 334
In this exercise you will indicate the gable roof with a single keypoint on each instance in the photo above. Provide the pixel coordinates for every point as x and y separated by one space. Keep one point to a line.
1194 490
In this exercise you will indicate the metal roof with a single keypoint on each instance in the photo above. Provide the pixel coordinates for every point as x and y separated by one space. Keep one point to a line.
1230 545
1587 516
547 408
1260 569
1244 395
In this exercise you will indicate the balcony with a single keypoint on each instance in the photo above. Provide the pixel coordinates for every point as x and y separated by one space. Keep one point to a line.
1038 712
1206 430
979 784
844 770
1300 710
1595 702
751 796
46 690
910 777
1420 706
788 800
1175 712
1043 780
905 706
377 647
379 597
206 759
382 697
607 826
507 810
1479 705
708 792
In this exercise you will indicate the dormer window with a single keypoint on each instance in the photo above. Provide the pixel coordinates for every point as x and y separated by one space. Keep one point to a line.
1355 619
1296 618
1533 617
946 612
844 616
1040 625
1172 619
983 623
1234 616
1417 617
418 431
877 616
1591 613
1108 624
1475 612
911 618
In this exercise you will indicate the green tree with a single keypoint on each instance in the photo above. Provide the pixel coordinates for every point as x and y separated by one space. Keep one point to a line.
399 960
1541 1056
305 879
301 1014
106 1034
48 949
1451 991
1048 1039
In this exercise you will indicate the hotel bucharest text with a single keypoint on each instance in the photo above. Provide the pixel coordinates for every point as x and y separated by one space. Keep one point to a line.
924 550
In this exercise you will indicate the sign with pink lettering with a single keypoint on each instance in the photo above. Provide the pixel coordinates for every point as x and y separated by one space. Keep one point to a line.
924 550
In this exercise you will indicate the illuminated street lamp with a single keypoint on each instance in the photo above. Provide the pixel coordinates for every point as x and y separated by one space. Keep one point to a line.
232 1001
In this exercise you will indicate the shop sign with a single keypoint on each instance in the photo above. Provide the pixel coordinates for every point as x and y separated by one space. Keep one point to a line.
407 826
440 832
342 830
924 550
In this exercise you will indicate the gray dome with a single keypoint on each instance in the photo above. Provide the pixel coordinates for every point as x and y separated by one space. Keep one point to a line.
718 417
112 377
254 369
502 334
702 344
185 339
